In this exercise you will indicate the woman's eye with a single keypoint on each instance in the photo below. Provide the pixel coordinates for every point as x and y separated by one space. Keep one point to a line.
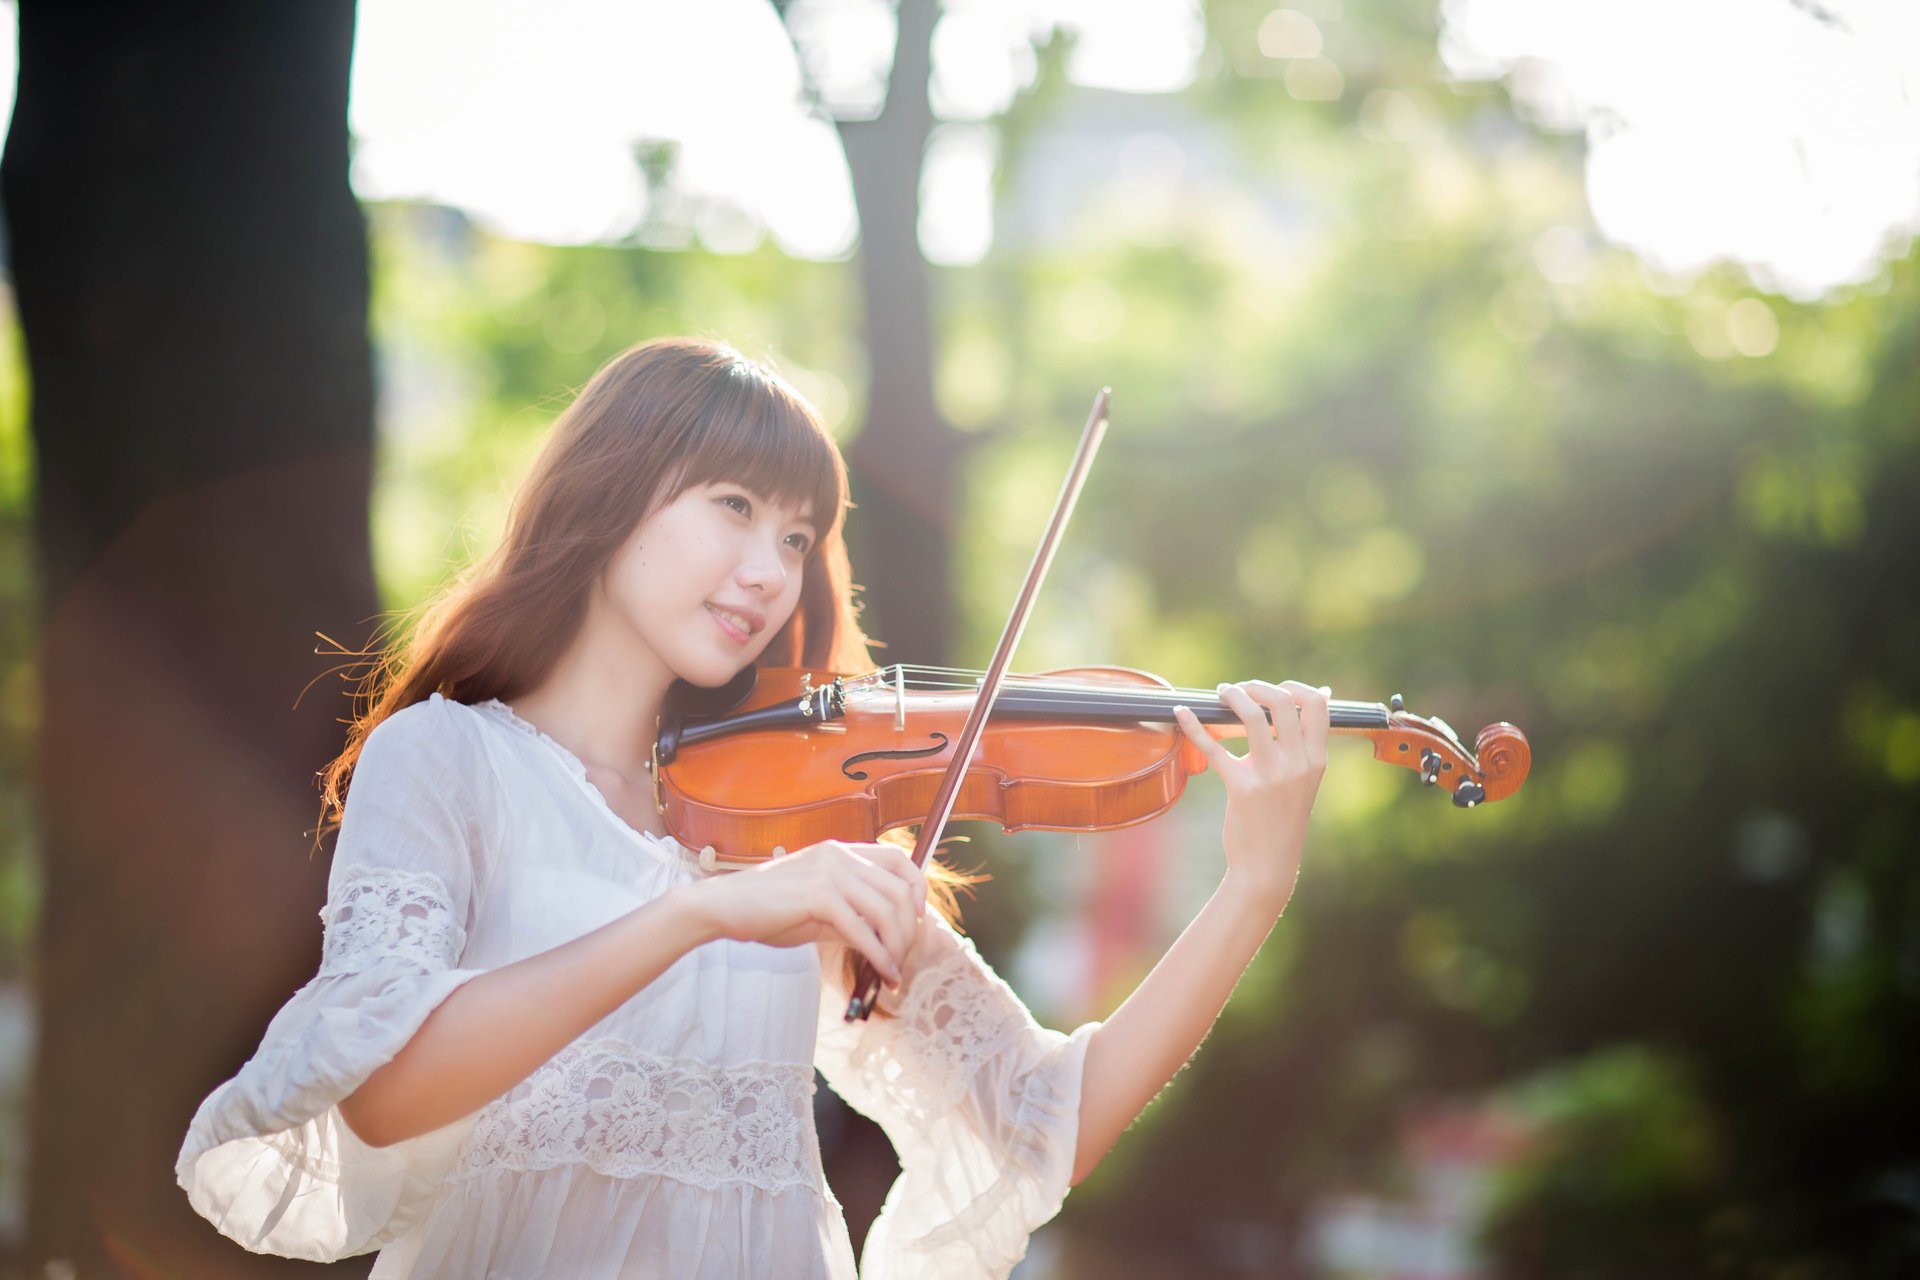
738 503
799 542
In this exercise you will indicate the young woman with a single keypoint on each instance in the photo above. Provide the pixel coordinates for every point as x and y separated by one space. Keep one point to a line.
543 1042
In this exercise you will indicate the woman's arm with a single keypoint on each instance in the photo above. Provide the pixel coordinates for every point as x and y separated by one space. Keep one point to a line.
1135 1052
1270 791
496 1029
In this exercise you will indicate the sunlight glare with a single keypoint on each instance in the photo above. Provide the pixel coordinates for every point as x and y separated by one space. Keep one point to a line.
528 116
956 194
1783 137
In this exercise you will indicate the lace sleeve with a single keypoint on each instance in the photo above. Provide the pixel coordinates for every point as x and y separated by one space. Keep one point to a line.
268 1158
377 914
981 1104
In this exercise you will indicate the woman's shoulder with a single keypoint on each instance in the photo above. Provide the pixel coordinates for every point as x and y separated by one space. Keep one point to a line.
435 714
434 729
428 753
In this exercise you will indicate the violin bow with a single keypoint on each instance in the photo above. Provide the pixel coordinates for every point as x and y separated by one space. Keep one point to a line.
867 981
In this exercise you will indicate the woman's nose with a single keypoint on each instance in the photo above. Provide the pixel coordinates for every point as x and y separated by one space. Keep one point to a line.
763 572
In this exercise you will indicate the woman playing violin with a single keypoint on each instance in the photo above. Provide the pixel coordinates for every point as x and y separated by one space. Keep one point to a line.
544 1041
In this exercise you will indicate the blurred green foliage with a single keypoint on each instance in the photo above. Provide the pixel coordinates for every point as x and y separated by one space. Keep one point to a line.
1621 1178
480 342
19 622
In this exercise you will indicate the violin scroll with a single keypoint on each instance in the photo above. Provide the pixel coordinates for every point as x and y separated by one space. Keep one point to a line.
1505 758
1493 770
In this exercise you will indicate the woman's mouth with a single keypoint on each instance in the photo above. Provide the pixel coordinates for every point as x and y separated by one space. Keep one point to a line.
739 629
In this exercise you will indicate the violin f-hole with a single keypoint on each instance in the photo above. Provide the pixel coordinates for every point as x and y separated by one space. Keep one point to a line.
898 753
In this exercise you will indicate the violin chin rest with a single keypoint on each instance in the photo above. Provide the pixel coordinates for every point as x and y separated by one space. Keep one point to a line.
697 702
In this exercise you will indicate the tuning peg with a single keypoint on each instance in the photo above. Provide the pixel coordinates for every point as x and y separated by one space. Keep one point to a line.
1429 765
1468 794
1396 703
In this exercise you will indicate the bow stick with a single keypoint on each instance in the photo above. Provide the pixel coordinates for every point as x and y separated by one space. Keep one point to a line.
866 980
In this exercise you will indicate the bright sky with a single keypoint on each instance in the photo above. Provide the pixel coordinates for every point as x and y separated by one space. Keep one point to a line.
1782 134
527 112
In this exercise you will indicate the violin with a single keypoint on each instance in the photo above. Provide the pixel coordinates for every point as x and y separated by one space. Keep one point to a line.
787 762
784 757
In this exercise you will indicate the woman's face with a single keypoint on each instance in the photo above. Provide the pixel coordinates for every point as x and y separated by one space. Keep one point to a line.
709 579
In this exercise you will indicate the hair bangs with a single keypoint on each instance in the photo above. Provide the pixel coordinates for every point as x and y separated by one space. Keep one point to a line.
757 431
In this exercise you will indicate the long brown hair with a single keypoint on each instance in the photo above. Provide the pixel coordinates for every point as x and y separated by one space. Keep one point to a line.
656 420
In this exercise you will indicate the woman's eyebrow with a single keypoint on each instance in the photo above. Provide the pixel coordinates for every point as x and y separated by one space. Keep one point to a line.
760 499
803 514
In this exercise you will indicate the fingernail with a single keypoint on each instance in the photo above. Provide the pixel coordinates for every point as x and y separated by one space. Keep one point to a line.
1180 708
1327 690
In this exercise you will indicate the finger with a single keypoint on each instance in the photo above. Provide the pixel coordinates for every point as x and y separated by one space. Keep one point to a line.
895 861
886 909
1284 708
839 914
1263 744
883 900
843 924
892 872
1216 755
887 869
1316 719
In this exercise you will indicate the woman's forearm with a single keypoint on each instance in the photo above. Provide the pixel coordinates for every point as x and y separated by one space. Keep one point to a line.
1134 1053
494 1030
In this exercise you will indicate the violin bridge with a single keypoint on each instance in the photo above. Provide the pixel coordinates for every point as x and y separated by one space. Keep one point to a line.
899 698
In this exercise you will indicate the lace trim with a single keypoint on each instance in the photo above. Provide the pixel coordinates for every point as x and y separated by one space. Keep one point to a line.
953 1016
380 913
628 1113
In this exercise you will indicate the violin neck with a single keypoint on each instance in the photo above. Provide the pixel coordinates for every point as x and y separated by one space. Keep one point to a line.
1020 700
1090 706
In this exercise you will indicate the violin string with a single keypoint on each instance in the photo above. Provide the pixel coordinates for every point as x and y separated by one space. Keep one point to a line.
970 679
1155 694
1152 693
1156 697
1143 695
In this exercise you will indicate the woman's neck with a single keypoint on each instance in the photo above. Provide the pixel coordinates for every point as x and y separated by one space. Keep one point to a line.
601 701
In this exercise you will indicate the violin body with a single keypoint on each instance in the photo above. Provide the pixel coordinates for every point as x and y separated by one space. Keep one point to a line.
873 769
807 756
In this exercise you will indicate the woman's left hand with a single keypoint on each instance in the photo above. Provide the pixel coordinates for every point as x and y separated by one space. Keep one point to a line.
1270 790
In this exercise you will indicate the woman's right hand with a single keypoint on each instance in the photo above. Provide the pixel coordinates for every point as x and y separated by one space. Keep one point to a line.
868 896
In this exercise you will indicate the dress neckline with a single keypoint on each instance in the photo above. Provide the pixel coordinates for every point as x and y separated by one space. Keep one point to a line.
664 847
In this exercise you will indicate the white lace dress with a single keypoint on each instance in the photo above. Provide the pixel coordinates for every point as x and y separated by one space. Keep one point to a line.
675 1138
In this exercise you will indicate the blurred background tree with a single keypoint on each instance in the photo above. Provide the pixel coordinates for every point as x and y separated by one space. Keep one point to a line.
1394 410
190 272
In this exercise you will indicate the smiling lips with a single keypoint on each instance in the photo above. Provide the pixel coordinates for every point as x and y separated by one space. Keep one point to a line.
739 624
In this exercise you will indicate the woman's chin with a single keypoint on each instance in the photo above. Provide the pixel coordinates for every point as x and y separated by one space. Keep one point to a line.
711 674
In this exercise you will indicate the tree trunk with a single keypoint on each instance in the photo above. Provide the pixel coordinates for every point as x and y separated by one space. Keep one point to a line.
191 274
905 461
904 467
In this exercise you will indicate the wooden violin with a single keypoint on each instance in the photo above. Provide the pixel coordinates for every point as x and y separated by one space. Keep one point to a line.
785 757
